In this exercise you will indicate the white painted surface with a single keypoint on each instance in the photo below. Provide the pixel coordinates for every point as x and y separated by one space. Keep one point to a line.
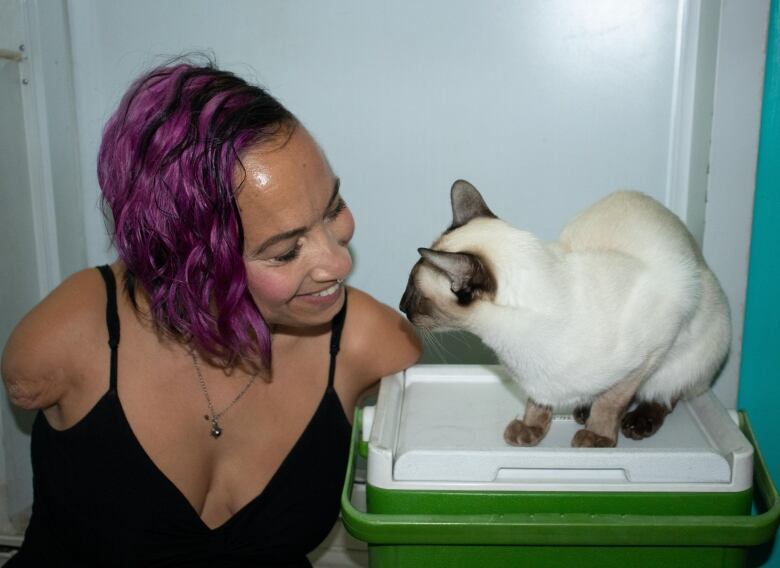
544 105
48 47
38 151
732 173
20 283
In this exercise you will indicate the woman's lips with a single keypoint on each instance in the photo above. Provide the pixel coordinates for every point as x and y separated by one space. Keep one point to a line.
324 297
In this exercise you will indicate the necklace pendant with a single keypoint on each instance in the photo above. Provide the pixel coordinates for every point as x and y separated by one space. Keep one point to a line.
213 417
216 431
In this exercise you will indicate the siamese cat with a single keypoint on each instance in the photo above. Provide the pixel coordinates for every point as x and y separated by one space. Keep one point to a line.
622 308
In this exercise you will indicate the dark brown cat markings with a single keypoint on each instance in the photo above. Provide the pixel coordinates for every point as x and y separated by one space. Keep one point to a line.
621 309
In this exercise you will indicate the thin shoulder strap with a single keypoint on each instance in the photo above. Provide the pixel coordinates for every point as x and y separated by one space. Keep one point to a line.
335 339
112 319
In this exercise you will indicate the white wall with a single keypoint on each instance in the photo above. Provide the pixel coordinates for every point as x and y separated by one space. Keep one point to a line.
732 163
19 285
544 105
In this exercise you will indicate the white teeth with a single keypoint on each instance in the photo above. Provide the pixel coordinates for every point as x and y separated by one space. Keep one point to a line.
328 291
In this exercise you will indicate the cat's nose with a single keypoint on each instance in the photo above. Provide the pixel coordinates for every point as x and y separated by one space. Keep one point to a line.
409 299
404 305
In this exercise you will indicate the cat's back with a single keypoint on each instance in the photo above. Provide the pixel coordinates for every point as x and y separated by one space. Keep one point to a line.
633 223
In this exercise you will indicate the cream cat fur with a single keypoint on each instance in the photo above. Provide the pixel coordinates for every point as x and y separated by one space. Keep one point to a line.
621 307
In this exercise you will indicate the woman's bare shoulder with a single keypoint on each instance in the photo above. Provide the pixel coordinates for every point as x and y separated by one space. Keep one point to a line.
377 339
44 353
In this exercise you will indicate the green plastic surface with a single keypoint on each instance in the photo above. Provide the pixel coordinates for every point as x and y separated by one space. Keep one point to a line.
584 531
415 556
591 502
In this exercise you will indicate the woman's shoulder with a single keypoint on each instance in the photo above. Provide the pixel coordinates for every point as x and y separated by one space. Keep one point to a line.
377 339
44 354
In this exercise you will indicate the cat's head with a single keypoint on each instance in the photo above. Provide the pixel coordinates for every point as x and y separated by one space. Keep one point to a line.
457 272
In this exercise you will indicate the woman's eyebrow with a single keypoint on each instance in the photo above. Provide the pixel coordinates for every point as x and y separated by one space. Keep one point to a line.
298 231
293 233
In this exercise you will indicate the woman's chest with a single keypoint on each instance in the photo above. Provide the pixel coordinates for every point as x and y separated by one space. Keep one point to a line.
173 409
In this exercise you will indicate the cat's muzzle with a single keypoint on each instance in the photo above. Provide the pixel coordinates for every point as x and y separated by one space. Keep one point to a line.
412 302
409 301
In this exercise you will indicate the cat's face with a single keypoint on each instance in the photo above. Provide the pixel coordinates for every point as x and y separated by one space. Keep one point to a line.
456 273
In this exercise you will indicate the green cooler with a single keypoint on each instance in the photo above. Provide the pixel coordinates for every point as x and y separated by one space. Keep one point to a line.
431 483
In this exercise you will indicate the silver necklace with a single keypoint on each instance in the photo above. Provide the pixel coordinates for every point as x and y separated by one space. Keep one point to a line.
216 429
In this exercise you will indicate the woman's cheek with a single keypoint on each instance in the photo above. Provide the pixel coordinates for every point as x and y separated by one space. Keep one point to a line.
270 287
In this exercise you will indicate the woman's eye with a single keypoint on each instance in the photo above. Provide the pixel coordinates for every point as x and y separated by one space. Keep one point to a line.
340 206
292 254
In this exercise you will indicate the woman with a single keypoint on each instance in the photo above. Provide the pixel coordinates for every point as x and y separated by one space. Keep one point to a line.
195 396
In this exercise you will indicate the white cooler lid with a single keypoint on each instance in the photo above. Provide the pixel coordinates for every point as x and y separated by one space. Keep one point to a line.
441 427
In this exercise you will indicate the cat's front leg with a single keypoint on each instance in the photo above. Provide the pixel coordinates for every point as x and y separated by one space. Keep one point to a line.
532 428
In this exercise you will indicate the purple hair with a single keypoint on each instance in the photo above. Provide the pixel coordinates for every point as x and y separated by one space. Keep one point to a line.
166 167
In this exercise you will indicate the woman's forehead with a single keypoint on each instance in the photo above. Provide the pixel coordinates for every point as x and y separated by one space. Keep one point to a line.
276 164
284 187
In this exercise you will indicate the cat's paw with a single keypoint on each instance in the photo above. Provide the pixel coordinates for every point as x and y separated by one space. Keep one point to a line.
518 433
589 439
581 414
644 420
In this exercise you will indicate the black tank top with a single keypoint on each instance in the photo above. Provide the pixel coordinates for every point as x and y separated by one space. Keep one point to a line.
99 500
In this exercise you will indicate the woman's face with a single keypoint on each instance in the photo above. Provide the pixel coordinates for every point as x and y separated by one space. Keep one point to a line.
296 231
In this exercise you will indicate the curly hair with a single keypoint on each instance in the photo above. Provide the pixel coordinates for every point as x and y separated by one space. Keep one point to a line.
166 167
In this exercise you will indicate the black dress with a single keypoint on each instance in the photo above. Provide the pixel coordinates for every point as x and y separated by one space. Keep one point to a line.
99 500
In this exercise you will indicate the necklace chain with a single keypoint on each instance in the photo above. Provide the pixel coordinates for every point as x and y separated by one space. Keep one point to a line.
216 429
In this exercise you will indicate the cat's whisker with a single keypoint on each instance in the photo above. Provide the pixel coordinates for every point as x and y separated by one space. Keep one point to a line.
462 337
436 341
432 340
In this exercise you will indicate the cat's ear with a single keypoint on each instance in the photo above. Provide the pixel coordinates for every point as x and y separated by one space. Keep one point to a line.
467 203
468 275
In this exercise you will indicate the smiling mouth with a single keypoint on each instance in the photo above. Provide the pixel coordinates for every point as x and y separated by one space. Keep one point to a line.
327 291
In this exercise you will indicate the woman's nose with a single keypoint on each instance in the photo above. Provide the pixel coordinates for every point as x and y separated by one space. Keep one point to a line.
332 260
